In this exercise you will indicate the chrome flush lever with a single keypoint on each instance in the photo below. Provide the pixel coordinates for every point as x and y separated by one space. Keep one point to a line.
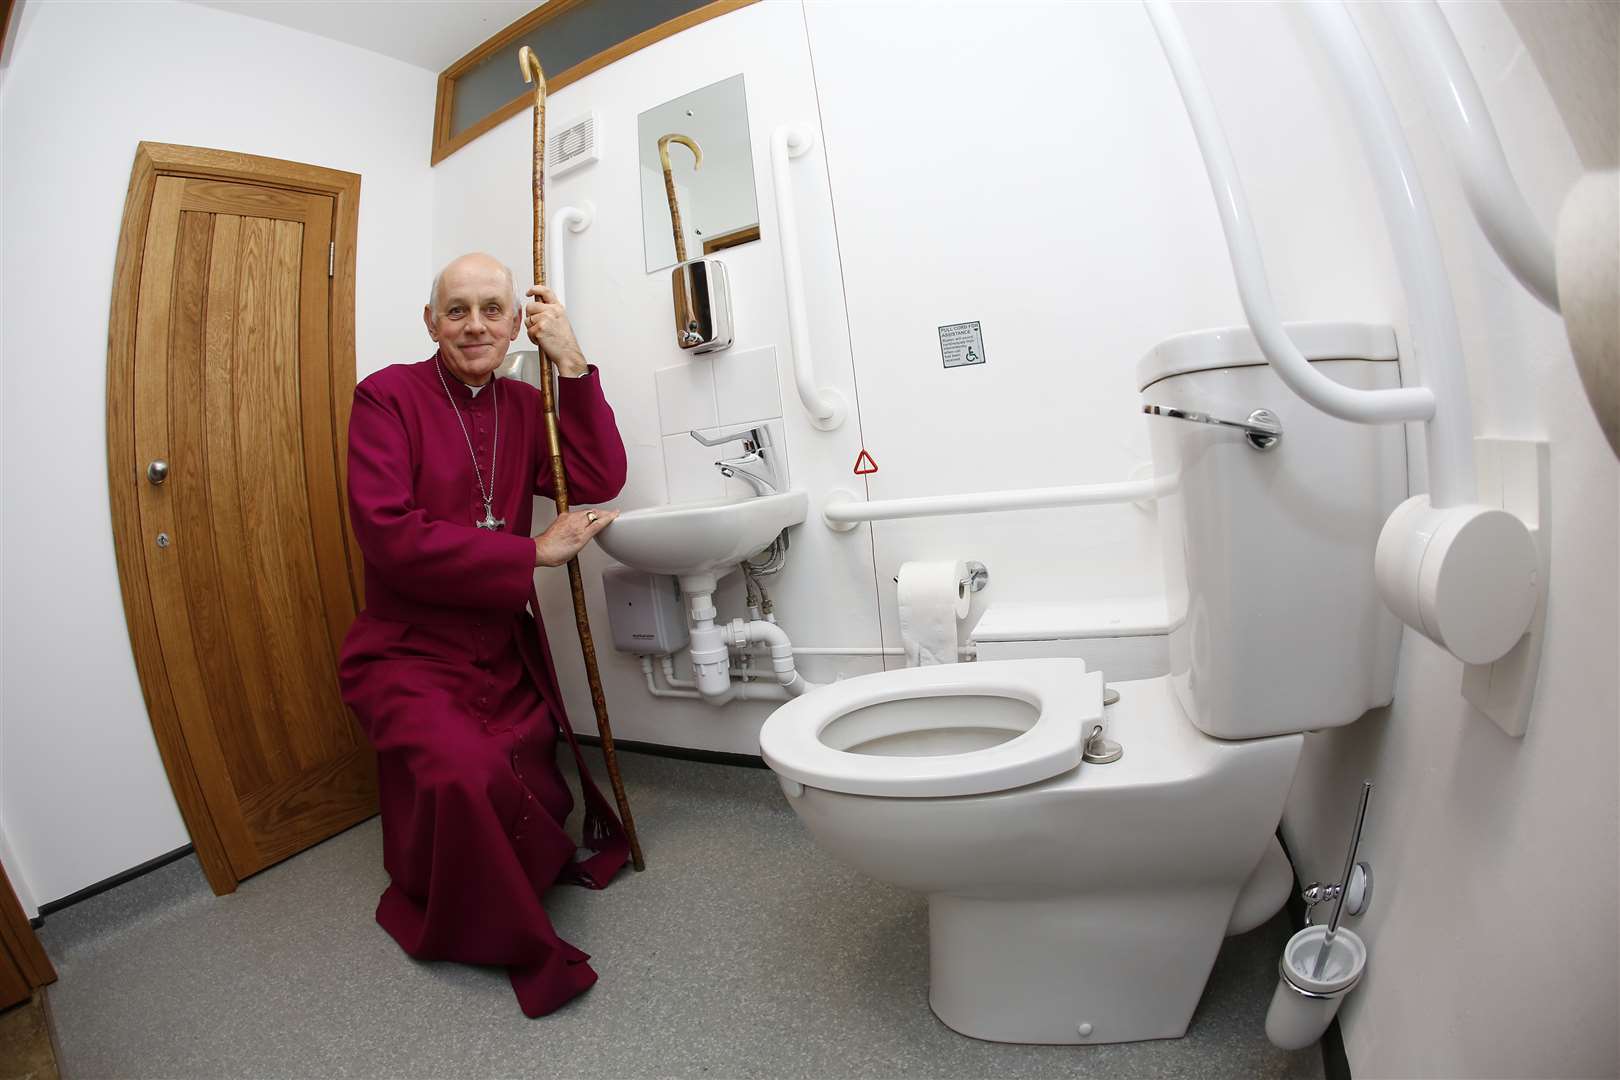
1262 428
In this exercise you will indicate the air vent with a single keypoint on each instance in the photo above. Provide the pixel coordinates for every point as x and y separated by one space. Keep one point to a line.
572 145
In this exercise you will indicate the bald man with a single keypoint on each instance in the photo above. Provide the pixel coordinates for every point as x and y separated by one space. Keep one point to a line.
447 668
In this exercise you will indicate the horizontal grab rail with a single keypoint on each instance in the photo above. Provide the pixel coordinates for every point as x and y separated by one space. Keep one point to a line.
824 403
842 510
1465 124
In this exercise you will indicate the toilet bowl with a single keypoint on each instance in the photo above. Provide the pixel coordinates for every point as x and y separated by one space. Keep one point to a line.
1068 902
1071 901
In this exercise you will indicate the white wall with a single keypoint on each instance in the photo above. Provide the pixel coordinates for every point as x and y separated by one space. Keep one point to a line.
83 794
1493 929
1032 169
1057 198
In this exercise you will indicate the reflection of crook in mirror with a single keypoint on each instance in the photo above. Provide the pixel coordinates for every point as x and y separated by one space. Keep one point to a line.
669 184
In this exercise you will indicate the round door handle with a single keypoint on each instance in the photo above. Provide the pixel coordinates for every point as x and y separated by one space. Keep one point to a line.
157 472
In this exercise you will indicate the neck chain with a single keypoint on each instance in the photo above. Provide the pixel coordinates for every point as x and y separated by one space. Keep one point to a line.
490 522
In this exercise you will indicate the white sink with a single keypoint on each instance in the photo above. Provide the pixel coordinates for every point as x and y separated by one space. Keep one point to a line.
709 537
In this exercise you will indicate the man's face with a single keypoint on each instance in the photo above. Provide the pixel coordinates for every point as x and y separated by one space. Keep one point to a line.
475 322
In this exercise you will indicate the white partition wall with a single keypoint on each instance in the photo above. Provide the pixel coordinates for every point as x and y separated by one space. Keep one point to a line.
83 795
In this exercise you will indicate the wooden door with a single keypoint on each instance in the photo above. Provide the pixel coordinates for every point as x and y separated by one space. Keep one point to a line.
239 518
24 967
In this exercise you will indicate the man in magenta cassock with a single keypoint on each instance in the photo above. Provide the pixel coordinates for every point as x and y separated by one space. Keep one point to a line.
446 669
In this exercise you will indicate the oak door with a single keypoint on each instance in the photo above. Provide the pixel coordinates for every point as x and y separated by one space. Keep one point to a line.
241 513
24 967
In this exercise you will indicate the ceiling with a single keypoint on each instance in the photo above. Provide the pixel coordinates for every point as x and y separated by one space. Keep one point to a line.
431 34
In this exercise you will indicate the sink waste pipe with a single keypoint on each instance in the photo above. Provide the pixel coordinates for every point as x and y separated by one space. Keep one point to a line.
532 72
711 644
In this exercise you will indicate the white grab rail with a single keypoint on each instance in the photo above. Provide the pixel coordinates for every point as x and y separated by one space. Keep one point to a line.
1448 431
1248 266
843 510
1459 109
1449 434
824 404
1429 538
577 219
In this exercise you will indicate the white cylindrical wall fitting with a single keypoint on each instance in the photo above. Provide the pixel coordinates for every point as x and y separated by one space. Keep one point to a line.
1464 577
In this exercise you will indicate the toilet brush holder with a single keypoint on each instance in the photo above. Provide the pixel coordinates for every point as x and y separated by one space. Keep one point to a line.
1306 1002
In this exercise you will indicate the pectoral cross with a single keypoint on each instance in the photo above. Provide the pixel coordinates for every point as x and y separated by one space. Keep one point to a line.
490 522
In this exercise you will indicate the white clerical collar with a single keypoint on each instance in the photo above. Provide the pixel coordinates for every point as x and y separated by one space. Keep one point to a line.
475 389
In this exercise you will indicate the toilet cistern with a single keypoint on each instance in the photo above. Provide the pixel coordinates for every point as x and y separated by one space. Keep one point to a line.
757 451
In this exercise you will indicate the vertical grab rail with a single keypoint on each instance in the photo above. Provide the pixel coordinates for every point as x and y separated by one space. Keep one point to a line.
524 364
1450 432
1465 124
577 219
824 404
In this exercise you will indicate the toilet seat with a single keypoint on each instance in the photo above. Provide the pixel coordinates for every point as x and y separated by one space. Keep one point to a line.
1065 697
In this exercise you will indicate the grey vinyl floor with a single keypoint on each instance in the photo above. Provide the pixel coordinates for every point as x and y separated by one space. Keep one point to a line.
741 951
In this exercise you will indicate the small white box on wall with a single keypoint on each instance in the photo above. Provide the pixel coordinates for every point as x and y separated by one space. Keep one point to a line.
572 145
644 611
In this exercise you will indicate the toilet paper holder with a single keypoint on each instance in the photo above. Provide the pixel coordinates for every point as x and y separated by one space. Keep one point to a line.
978 577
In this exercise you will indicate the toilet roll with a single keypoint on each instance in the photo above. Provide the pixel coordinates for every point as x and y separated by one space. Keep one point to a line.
933 600
1588 265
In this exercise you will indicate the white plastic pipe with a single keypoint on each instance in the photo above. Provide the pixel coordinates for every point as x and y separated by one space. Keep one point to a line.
824 404
1449 434
576 219
1459 109
776 639
965 652
735 692
843 510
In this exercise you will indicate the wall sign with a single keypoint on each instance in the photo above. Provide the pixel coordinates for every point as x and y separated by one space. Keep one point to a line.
961 344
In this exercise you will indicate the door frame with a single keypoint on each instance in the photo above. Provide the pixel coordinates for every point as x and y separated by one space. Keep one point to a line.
124 475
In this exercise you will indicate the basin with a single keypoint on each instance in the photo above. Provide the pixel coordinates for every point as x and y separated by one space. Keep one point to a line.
707 538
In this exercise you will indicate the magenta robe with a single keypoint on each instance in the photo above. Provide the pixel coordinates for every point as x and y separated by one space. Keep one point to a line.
451 677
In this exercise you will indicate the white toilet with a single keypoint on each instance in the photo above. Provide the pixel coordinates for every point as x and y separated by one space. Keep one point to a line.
1072 901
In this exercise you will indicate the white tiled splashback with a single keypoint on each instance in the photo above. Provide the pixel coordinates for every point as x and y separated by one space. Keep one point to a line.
733 392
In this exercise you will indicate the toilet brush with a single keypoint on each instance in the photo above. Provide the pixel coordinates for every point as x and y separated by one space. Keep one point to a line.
1349 865
1310 988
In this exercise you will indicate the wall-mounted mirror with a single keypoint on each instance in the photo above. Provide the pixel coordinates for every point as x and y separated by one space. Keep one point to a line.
697 175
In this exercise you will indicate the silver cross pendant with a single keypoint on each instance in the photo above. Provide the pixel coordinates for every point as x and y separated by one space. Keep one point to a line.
490 522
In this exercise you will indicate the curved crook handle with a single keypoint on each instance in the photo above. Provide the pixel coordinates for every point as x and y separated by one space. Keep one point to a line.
532 71
529 64
686 141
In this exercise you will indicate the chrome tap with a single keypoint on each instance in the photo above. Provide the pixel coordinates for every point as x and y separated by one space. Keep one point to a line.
757 451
